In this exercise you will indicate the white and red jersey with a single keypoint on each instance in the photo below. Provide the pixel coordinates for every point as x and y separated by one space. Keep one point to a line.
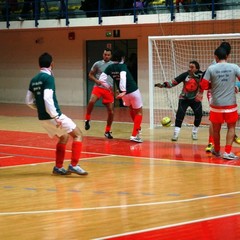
221 78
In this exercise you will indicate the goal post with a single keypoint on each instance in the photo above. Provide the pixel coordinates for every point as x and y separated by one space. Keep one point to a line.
169 56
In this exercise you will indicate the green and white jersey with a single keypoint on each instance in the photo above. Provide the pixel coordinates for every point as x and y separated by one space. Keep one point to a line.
122 77
47 106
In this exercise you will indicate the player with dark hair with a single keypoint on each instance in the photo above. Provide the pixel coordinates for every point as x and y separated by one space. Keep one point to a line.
227 47
99 91
189 97
127 90
41 95
221 79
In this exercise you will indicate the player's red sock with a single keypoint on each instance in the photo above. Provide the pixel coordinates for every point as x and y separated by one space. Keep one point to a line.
228 148
76 152
137 124
210 140
88 117
60 153
108 128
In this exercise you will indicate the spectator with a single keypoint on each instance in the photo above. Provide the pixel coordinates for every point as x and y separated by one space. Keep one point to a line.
62 9
90 7
184 3
28 5
9 7
139 6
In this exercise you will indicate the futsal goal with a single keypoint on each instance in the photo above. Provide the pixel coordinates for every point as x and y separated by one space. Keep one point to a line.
169 56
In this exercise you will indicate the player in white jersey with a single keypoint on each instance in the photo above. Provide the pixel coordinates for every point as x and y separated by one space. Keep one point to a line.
221 78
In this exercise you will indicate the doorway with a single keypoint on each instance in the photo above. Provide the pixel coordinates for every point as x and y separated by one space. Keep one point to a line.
94 51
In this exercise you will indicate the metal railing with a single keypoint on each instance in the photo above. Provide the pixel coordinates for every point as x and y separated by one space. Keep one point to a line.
22 10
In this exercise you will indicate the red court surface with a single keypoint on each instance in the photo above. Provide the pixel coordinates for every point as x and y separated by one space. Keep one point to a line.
24 144
19 148
224 228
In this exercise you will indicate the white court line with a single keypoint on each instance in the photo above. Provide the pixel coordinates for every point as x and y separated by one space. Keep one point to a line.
129 156
170 226
7 157
48 149
118 206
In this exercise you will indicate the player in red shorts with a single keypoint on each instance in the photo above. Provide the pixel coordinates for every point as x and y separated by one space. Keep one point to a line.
210 145
100 91
221 79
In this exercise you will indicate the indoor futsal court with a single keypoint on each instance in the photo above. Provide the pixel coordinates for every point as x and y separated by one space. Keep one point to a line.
157 189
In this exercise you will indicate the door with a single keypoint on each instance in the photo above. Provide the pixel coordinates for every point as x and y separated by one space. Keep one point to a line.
94 51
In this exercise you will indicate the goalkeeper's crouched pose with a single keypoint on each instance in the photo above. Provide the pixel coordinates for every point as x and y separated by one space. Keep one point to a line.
190 96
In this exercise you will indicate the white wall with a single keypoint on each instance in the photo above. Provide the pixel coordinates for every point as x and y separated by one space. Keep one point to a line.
19 63
19 51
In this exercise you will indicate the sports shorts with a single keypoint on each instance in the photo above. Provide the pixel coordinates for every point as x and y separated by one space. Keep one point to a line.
133 99
221 117
50 126
105 94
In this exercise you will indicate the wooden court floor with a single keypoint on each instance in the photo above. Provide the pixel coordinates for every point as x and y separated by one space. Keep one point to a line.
154 190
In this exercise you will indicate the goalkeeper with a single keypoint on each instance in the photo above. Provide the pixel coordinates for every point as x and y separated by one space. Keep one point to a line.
190 96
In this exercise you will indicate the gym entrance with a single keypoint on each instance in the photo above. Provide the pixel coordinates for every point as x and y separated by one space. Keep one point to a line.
94 51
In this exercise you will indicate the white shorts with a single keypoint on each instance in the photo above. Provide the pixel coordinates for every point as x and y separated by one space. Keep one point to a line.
133 99
50 126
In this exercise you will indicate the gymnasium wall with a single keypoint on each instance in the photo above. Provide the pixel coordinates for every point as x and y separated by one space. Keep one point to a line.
20 49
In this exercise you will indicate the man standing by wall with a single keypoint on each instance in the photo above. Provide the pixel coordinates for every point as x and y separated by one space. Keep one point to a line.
100 91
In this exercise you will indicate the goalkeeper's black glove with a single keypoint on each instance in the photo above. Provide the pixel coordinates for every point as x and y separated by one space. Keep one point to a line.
160 85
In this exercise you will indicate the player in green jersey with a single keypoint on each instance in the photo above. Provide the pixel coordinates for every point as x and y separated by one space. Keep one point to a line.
127 90
41 96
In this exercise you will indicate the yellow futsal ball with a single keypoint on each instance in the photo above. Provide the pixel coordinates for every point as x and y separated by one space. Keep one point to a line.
166 122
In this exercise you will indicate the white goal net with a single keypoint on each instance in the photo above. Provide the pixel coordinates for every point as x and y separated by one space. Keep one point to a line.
169 56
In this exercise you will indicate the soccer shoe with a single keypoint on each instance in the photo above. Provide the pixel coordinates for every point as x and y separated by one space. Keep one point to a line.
194 136
216 154
209 147
237 139
136 139
230 156
175 137
77 170
108 135
60 171
87 124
